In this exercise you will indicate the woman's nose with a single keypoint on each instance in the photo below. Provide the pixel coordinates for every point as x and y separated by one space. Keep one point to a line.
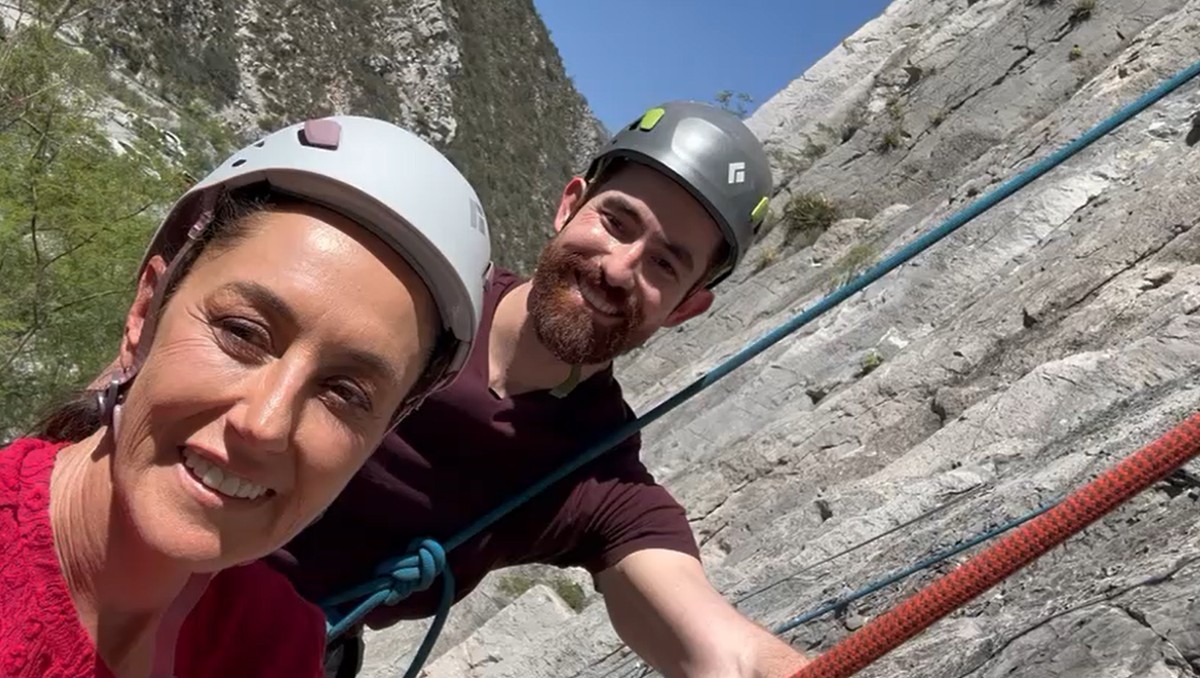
265 416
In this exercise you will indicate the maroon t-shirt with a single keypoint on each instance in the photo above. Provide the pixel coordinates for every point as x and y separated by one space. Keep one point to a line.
464 452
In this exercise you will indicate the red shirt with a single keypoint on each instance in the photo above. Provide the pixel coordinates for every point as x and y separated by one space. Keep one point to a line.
463 453
249 621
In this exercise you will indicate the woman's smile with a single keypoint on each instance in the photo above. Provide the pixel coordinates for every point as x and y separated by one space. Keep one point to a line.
215 485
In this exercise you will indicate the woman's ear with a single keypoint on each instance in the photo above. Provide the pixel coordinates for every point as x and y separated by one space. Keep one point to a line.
139 325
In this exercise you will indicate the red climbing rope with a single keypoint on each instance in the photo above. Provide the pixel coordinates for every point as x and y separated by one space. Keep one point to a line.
991 566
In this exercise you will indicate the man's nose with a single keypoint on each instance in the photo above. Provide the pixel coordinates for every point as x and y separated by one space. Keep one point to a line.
620 266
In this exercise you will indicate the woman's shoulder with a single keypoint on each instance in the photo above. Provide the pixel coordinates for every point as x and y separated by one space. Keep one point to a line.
250 621
24 457
25 468
40 633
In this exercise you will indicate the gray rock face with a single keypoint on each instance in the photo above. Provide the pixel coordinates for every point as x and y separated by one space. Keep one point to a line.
536 614
1003 368
481 81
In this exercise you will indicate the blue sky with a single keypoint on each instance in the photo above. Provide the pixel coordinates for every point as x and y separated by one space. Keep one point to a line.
626 55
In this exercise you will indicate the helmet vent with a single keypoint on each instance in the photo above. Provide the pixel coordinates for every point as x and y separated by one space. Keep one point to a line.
260 143
239 162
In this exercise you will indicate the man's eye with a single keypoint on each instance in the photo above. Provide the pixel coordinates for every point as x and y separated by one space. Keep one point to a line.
612 223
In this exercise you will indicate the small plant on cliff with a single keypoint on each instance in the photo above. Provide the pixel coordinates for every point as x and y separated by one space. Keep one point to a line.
808 214
1076 53
571 593
786 162
515 585
1082 11
851 264
890 141
870 362
855 120
734 102
768 256
791 163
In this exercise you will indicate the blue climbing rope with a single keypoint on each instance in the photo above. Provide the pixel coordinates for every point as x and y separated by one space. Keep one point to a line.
418 569
862 544
788 625
961 497
899 575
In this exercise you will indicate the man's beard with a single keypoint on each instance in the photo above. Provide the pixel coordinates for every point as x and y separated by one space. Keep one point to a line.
570 332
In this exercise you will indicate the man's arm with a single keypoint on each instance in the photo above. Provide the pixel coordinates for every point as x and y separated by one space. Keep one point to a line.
663 606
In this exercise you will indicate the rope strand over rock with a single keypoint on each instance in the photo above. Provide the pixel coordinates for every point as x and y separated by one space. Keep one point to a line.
991 566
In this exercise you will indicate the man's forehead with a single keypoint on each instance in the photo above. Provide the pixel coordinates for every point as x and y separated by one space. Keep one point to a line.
625 204
653 195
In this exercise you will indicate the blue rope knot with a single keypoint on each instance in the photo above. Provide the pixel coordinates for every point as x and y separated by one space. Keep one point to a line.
396 579
416 570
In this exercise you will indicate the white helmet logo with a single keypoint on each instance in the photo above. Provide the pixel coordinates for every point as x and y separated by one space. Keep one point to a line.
478 221
737 172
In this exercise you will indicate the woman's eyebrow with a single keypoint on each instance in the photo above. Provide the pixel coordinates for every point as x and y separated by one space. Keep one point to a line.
266 300
262 297
371 363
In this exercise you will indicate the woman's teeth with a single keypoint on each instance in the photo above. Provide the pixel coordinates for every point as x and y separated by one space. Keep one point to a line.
220 480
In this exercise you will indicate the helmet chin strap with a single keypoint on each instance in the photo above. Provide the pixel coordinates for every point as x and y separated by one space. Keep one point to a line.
564 389
109 399
167 637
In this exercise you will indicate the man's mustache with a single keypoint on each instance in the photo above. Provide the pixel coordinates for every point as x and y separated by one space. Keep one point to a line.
628 304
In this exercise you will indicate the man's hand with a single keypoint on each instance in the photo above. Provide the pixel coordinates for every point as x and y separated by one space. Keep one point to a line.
663 606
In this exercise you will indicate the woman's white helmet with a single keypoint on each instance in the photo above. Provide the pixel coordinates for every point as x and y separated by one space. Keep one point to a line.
386 179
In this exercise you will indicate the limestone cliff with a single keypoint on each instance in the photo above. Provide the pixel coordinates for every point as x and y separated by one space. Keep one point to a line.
1001 369
481 80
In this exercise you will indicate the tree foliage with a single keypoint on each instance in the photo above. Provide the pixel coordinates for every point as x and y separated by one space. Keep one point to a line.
76 210
734 102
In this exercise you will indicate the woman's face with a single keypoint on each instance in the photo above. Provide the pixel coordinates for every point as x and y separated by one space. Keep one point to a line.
272 374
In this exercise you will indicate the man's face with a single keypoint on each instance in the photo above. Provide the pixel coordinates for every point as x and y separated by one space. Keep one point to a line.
627 264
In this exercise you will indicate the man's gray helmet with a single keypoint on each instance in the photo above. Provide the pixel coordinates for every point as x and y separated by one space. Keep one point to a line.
386 179
712 154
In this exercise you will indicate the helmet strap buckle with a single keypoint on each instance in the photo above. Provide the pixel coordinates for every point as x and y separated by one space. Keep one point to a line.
110 399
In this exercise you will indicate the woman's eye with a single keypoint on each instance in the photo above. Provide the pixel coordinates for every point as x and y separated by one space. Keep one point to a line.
244 334
351 394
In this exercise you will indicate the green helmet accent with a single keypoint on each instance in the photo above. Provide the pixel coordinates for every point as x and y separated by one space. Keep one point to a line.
711 153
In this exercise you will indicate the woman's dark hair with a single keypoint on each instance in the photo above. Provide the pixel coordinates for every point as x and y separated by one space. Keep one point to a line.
78 416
